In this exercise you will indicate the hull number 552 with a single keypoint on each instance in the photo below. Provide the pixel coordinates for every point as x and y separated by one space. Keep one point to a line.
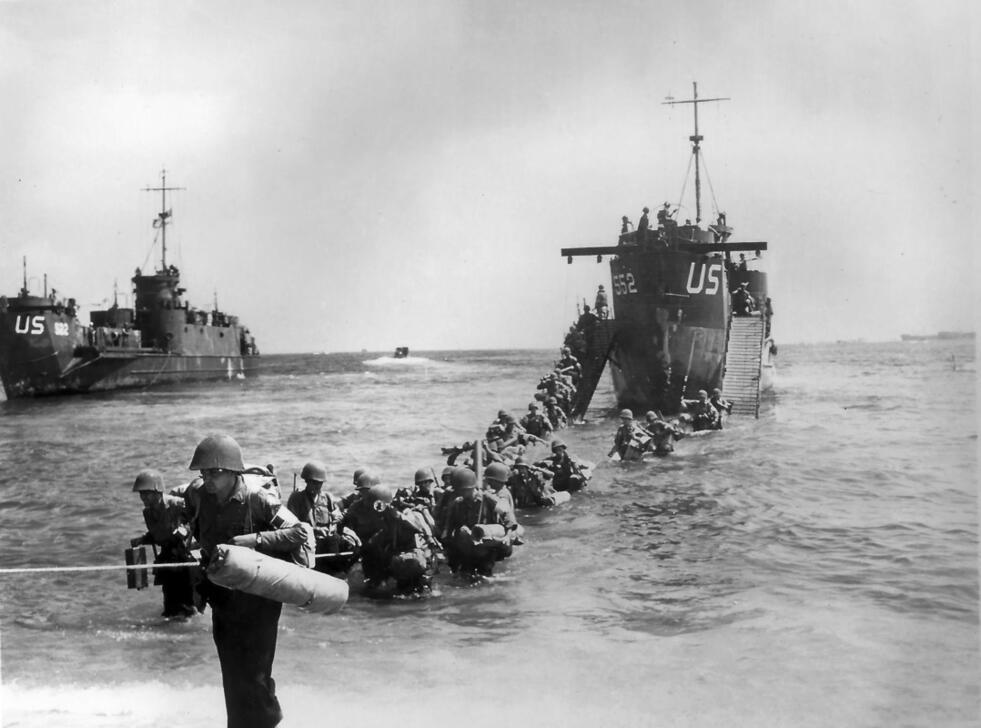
624 283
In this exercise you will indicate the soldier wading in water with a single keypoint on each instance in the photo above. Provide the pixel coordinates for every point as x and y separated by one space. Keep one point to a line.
224 510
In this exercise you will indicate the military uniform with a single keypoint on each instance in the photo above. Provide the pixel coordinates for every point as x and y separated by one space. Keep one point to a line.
167 530
624 436
537 424
530 488
401 548
704 416
566 473
462 552
245 626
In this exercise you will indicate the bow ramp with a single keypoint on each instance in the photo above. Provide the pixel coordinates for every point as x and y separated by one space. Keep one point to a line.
599 342
744 355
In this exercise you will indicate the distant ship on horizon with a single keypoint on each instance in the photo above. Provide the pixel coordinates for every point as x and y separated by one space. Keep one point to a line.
939 335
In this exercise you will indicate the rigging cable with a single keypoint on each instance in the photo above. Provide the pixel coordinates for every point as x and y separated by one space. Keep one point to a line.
715 204
681 197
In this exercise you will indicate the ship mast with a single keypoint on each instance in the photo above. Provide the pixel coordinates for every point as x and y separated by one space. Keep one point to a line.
695 139
164 215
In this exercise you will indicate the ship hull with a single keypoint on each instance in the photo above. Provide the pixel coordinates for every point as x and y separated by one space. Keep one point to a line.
45 351
671 328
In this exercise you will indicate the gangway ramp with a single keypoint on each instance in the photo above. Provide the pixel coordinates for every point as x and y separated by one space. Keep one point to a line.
744 351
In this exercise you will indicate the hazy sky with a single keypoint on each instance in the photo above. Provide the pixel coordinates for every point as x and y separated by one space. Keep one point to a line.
374 174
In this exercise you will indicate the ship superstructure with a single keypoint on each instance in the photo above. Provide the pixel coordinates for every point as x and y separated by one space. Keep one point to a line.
45 349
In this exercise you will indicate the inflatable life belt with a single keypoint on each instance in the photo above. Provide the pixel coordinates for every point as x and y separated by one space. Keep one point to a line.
236 567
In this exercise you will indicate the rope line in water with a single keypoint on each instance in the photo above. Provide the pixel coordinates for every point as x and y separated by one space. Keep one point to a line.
124 567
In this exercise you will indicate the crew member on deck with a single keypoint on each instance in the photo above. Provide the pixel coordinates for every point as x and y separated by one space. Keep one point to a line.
643 225
602 303
625 227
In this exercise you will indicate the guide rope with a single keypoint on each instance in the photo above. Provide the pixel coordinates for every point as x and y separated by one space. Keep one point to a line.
125 567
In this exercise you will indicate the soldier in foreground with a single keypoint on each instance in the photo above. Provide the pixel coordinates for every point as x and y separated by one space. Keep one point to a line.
223 510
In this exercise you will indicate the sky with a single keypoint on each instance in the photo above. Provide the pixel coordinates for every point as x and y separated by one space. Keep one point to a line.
378 174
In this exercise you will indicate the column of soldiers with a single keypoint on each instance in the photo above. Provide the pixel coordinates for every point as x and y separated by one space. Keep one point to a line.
399 535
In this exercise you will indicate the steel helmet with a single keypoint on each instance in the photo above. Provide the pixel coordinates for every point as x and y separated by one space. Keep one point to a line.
314 470
534 406
626 414
652 415
217 452
520 462
446 471
380 493
703 394
423 474
557 445
462 478
367 480
552 400
357 474
716 392
149 479
498 472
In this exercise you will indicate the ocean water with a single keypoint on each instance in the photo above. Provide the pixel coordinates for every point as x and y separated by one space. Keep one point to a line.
815 567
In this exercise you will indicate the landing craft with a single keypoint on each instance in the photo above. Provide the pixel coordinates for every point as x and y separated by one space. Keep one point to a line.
45 349
687 315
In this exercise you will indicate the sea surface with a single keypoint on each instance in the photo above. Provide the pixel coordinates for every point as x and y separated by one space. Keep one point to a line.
815 567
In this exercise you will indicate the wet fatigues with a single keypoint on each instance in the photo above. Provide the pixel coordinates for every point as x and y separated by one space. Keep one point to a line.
556 416
462 553
663 435
566 473
537 424
722 405
323 514
166 529
245 626
626 434
401 549
530 488
704 416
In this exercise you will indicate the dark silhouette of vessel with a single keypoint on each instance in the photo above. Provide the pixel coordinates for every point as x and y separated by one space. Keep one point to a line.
688 314
45 349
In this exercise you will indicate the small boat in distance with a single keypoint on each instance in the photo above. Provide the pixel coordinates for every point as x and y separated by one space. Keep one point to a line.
401 352
45 349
